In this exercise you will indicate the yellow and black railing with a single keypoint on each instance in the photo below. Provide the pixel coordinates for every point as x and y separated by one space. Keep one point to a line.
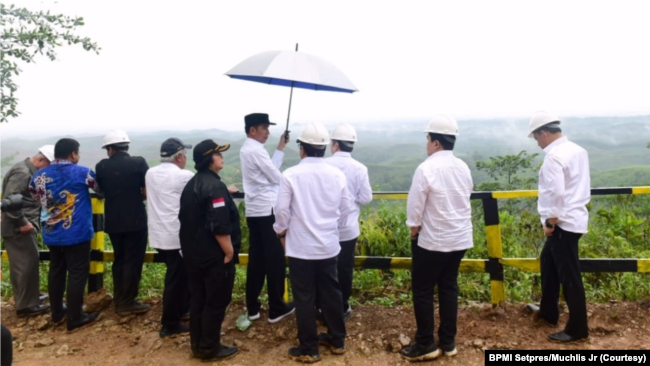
493 265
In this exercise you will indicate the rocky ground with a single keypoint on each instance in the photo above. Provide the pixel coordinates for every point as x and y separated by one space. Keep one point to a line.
375 336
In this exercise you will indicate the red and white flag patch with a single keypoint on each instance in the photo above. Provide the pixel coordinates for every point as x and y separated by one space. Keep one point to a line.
218 202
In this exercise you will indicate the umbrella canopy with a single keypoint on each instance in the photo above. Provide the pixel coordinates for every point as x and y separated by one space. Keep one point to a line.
292 69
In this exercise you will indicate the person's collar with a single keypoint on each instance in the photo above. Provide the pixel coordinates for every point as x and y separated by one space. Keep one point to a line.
120 153
30 165
342 154
62 161
311 160
208 171
553 144
251 140
441 153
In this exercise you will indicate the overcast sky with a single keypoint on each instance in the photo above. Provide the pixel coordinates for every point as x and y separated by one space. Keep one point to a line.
162 63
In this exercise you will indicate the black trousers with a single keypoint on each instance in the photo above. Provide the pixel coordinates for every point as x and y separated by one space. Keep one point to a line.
265 259
210 294
176 296
7 356
309 279
560 266
73 261
345 269
431 269
129 249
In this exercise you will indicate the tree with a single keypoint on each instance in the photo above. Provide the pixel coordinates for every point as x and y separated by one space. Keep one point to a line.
26 34
509 171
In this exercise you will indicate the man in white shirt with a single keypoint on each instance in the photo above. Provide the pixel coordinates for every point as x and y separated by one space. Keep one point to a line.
165 184
564 191
261 176
343 138
313 201
439 215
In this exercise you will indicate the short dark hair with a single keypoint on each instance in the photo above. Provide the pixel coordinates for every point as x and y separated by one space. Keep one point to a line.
65 147
346 146
311 151
119 147
248 128
447 141
548 129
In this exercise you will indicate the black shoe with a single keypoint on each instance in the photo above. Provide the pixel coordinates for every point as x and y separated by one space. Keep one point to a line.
59 318
326 340
33 310
415 352
449 349
135 308
563 337
222 353
169 331
185 317
296 355
288 310
43 297
86 319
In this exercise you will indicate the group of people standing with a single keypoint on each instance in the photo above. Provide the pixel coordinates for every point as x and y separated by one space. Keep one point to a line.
309 214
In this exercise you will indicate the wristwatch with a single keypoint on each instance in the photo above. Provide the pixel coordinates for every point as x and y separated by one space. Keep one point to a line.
548 224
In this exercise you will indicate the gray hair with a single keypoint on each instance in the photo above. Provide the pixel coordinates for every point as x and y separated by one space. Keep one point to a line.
170 159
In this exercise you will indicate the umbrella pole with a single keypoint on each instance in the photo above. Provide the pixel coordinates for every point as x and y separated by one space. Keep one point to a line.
286 138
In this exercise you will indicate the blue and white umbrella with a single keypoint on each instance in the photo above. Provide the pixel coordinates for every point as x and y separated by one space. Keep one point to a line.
294 70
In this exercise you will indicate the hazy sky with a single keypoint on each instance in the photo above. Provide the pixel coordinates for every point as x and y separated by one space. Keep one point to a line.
162 63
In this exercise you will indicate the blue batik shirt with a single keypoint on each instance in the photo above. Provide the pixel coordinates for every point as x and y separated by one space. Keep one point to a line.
62 190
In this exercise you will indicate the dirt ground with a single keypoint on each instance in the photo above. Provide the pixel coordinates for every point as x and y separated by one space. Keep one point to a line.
375 336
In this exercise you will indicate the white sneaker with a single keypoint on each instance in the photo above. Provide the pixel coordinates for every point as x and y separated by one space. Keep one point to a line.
282 316
254 317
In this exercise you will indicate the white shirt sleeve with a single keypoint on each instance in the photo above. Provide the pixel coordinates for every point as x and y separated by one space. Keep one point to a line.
282 209
269 168
278 157
416 198
553 179
364 196
344 207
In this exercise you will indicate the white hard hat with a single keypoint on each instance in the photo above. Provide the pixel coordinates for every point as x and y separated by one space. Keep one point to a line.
47 151
115 137
443 124
539 119
344 132
315 134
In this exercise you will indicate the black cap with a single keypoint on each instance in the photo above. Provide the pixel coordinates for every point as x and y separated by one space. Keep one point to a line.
206 148
255 119
171 146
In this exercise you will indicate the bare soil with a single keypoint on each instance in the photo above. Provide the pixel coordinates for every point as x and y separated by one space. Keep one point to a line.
374 334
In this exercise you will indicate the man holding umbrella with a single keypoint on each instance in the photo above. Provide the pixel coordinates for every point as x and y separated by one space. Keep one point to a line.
261 176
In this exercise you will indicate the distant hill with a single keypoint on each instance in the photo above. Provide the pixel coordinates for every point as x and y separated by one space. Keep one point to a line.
393 149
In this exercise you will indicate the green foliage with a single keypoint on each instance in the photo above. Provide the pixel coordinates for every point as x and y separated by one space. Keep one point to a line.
26 34
509 171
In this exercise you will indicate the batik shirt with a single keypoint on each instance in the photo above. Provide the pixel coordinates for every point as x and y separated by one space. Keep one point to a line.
62 190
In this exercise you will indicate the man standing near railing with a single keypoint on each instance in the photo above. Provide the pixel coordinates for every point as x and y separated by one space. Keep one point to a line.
19 229
62 190
343 138
564 191
165 183
261 176
121 177
439 215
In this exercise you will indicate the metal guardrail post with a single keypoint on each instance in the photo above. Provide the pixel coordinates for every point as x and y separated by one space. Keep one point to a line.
495 251
96 276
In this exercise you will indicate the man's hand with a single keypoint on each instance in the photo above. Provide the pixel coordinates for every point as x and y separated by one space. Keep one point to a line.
228 255
283 140
232 189
549 232
27 228
415 231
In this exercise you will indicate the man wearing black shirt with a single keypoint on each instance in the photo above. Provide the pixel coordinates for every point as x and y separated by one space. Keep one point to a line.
122 178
